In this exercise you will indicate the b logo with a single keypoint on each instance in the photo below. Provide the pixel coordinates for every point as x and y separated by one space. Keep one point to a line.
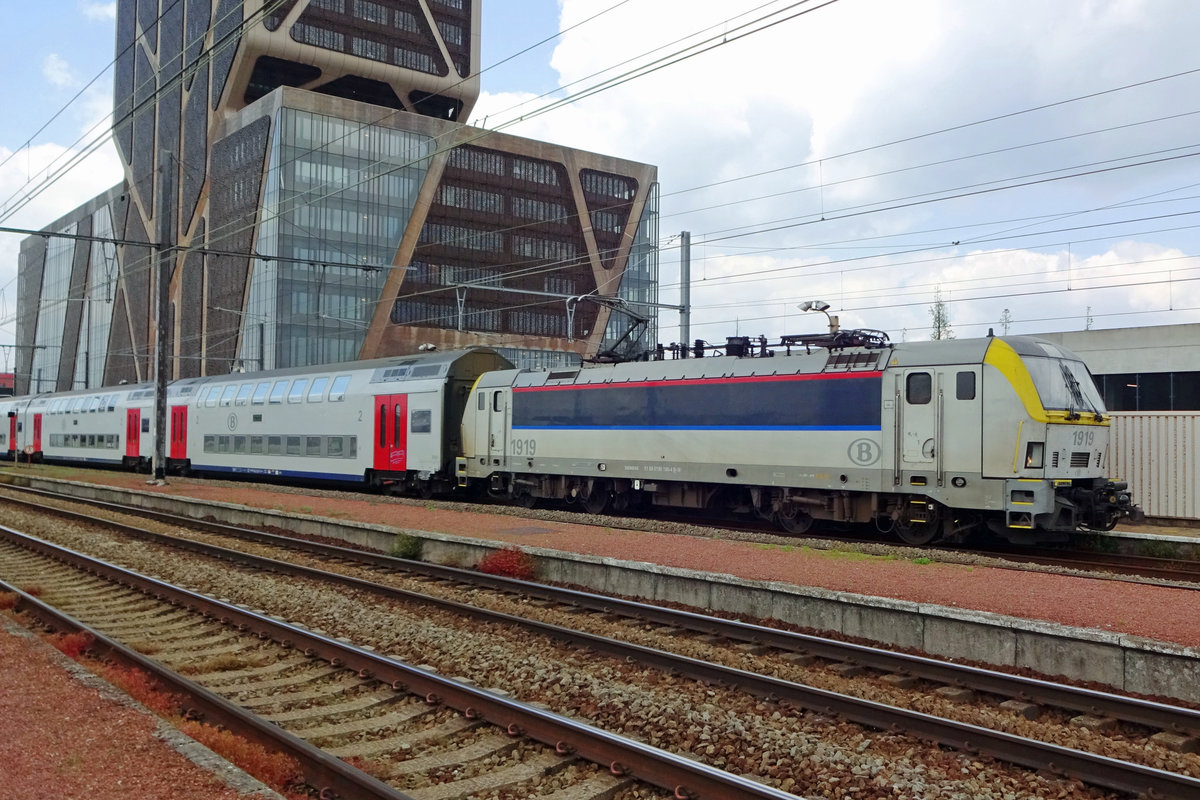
232 421
863 452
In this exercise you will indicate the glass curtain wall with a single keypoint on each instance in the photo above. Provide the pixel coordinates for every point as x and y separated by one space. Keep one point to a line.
98 302
52 313
339 196
639 285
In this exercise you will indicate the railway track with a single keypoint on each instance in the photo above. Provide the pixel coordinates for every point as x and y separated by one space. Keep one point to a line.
324 701
1165 726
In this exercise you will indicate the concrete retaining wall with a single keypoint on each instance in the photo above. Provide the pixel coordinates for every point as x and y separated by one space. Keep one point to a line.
1127 663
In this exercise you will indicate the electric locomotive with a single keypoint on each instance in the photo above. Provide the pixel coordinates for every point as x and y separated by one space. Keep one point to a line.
931 440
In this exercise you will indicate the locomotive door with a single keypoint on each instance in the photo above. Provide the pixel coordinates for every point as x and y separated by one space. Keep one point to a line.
391 433
37 433
133 432
920 414
178 433
497 427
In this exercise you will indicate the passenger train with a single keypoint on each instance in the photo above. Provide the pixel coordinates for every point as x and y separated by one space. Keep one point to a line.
928 440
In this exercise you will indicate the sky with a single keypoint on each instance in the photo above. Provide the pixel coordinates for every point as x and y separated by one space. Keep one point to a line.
1033 164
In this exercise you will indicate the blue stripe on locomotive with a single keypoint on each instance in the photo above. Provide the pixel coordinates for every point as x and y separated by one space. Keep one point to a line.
835 404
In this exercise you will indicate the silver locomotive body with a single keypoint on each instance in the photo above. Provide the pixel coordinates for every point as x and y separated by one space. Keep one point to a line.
930 439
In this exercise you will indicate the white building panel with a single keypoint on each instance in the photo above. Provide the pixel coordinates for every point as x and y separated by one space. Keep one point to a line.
1158 453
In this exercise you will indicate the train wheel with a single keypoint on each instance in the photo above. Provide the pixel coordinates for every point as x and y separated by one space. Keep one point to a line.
917 534
793 519
524 499
597 502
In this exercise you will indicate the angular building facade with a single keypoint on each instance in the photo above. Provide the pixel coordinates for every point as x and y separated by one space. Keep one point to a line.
327 203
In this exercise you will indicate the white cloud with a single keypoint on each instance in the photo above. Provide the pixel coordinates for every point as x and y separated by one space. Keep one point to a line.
99 11
56 70
863 228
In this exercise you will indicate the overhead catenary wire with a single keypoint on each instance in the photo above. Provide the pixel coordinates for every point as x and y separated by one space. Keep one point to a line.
1135 84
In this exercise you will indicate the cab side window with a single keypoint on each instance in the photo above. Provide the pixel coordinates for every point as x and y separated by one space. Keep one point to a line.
919 388
964 386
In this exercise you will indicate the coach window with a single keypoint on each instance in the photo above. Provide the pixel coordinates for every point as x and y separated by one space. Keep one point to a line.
243 395
228 393
317 393
239 444
398 426
260 393
256 445
293 445
422 421
337 392
312 445
214 394
278 392
297 393
333 448
352 447
210 444
222 444
274 445
382 425
919 389
145 424
964 386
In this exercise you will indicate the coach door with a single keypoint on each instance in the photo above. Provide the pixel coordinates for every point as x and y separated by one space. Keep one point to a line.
37 433
12 431
133 432
178 432
920 407
391 433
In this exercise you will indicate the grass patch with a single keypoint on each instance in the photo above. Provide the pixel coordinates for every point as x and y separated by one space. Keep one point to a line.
509 563
1160 550
922 561
407 546
73 645
277 770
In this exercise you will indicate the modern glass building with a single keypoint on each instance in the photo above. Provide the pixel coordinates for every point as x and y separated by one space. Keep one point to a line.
329 204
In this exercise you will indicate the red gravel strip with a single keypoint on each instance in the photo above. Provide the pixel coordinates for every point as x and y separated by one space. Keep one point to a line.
61 739
1155 612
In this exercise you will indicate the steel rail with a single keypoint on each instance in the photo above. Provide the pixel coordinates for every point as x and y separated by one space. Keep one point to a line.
1150 713
622 756
1097 770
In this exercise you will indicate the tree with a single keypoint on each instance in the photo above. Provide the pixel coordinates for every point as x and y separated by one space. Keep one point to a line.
1005 321
939 313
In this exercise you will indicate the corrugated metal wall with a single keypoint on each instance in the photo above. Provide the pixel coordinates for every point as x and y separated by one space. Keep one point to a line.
1158 453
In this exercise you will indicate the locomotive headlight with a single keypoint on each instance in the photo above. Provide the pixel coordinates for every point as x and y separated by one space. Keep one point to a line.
1035 453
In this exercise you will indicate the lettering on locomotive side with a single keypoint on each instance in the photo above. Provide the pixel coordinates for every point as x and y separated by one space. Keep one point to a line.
1084 438
524 447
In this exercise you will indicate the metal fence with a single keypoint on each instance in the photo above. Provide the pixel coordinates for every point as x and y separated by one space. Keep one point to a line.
1158 453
